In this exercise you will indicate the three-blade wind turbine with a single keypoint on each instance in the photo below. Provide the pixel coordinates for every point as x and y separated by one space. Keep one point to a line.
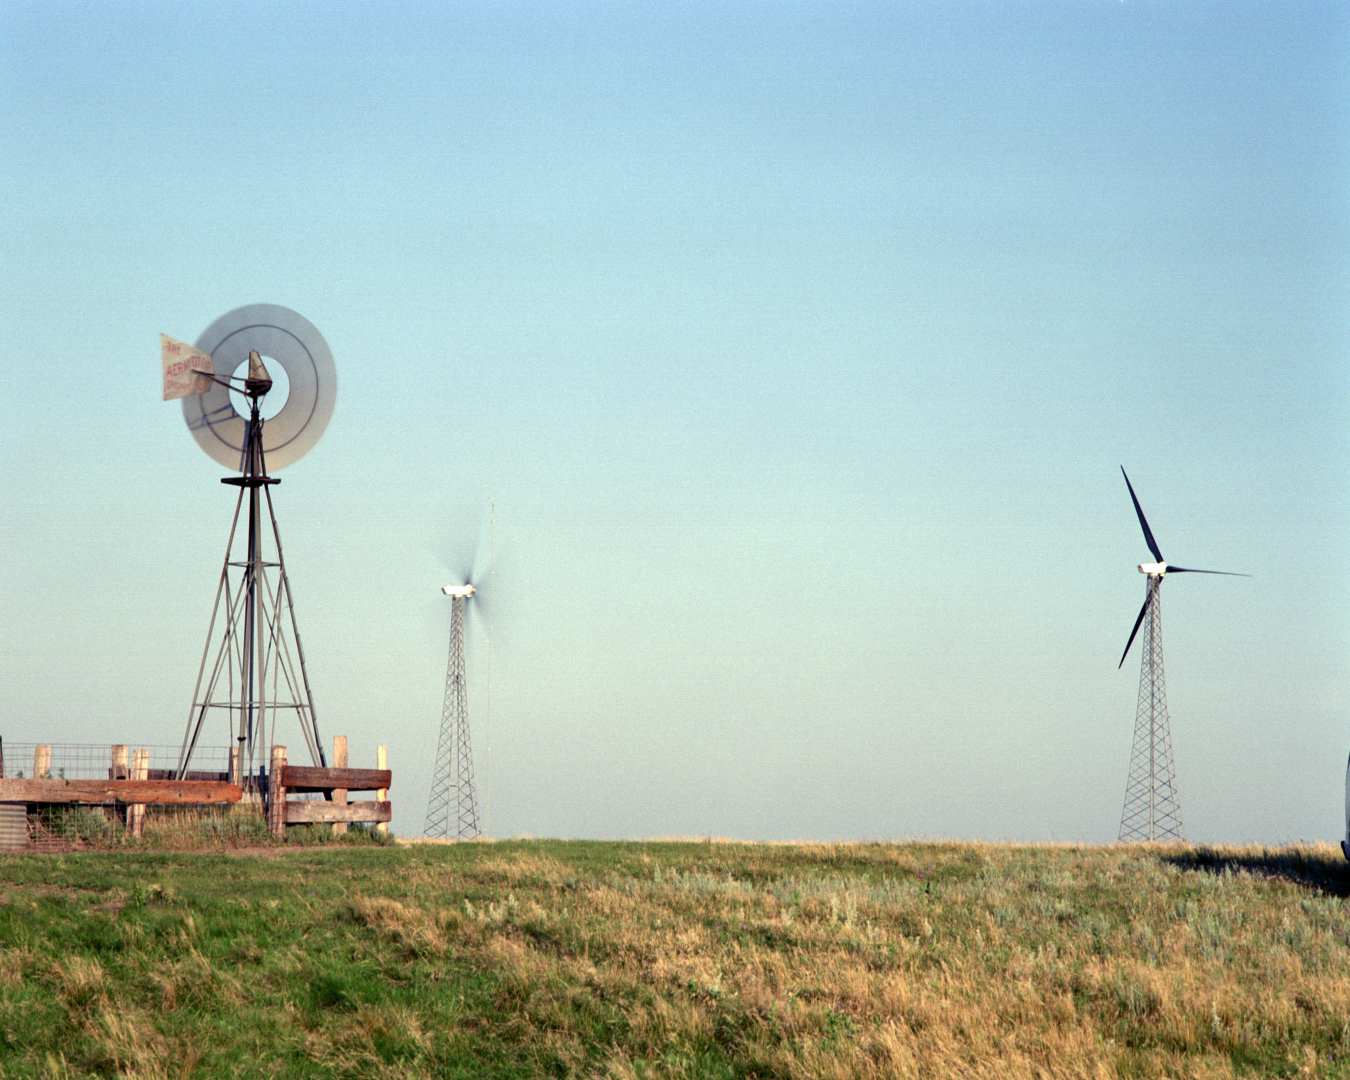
452 809
1152 808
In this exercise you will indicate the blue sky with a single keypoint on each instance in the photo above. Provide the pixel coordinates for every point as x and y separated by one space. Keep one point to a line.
799 346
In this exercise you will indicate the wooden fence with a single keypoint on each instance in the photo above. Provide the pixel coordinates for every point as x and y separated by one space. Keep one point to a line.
131 786
334 783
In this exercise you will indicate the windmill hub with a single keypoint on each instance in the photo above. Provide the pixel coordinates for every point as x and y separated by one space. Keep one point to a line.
271 400
458 590
1153 569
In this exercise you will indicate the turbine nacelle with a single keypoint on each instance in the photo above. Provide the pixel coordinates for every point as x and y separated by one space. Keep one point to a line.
465 591
1153 569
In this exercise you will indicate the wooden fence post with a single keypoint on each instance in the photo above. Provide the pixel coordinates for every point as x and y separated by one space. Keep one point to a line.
42 762
381 794
339 794
140 770
119 771
276 793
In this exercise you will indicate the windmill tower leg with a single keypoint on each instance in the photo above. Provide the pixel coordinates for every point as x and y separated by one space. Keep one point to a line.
453 804
1152 808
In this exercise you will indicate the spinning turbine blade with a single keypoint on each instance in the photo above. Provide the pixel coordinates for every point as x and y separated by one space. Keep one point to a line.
1148 534
470 563
1142 611
1187 570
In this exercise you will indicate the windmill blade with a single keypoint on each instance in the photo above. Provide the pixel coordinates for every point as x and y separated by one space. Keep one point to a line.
463 565
463 559
1187 570
453 542
1142 611
481 578
496 575
1148 533
473 562
478 604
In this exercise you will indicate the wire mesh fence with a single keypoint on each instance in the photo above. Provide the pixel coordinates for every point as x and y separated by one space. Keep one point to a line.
61 827
97 761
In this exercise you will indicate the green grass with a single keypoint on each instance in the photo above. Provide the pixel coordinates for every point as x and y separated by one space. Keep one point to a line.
700 959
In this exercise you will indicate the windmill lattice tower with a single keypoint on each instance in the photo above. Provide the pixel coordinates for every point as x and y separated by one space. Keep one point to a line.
453 804
1152 805
252 671
1152 808
258 671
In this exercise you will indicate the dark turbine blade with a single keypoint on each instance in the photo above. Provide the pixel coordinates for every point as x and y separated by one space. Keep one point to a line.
1188 570
1137 621
1148 534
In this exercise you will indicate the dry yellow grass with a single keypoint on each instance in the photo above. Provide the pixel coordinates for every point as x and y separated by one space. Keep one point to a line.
969 960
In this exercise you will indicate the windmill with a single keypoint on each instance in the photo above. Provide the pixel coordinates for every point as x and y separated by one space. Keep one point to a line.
452 808
1152 808
253 667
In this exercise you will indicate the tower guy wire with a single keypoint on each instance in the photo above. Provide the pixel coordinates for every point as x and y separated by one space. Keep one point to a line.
492 595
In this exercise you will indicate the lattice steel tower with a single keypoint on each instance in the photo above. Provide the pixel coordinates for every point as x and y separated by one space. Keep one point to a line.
452 809
1152 806
1152 809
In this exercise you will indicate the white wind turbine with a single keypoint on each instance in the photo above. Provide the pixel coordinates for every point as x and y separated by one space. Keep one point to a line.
1152 808
452 808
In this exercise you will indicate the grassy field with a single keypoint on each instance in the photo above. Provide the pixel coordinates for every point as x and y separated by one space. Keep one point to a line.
699 959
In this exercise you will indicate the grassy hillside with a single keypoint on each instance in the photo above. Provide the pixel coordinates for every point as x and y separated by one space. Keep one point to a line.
545 958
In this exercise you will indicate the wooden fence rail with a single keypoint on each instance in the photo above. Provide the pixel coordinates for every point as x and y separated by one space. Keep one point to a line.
338 813
304 778
113 792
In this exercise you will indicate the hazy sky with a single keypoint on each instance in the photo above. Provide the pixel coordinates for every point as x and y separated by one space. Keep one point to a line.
800 347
